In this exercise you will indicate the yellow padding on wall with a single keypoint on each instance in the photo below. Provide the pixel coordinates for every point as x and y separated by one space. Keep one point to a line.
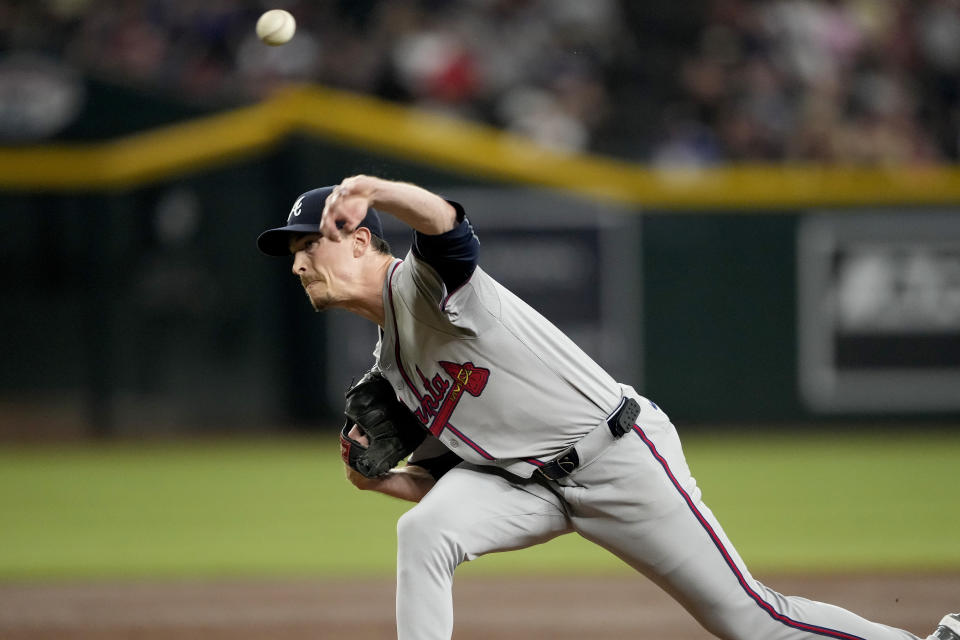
460 146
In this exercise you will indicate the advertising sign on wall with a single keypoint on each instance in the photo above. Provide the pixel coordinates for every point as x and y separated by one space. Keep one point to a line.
879 311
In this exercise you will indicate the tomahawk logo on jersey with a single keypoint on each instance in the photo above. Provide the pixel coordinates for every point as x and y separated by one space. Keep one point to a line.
437 405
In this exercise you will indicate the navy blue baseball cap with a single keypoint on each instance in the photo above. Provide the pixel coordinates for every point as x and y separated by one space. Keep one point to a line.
305 217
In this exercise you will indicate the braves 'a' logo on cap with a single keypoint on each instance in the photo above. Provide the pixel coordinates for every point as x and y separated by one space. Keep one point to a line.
296 210
442 396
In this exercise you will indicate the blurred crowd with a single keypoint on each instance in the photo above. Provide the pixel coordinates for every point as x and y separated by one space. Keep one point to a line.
850 81
697 82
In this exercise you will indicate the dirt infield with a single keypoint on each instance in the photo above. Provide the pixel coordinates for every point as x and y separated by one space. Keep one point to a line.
486 608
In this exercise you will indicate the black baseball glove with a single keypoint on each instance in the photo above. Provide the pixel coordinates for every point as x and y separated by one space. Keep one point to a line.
392 429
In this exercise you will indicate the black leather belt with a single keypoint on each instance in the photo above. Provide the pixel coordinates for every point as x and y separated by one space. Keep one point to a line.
619 422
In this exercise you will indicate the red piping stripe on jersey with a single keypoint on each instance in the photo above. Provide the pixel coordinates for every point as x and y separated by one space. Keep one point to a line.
443 303
396 351
715 538
473 445
396 334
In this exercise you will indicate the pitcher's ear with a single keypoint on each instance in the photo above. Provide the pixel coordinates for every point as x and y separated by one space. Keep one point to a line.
361 241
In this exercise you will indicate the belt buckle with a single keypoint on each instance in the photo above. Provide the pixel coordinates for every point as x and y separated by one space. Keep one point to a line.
568 461
561 466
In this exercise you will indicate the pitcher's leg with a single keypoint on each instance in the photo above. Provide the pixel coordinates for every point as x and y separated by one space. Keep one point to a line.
649 513
468 513
714 584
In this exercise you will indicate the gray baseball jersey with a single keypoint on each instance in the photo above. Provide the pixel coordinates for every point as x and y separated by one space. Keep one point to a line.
508 392
538 396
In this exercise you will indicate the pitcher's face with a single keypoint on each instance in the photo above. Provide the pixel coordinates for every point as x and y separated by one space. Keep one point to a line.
322 266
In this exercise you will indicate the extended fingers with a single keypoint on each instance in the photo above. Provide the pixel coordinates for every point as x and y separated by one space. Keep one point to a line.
345 208
331 216
357 434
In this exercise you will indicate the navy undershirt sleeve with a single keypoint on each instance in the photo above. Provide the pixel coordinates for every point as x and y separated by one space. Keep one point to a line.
438 466
453 254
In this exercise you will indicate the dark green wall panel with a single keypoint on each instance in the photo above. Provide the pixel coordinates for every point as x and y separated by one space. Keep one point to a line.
719 316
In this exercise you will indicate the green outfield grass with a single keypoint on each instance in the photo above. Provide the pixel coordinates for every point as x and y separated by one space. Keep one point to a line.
281 507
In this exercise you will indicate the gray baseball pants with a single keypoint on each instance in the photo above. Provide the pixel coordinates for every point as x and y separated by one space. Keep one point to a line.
637 500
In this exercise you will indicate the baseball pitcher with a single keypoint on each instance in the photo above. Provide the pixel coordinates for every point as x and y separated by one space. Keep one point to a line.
515 435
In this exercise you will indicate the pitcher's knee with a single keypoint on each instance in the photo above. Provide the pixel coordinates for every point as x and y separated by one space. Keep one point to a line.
415 525
410 526
423 538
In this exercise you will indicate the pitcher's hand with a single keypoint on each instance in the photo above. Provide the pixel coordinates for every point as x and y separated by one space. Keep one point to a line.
346 207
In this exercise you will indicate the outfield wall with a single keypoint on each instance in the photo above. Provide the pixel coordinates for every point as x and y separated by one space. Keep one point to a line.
135 299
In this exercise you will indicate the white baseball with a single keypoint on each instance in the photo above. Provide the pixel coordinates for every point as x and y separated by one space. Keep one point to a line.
276 27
